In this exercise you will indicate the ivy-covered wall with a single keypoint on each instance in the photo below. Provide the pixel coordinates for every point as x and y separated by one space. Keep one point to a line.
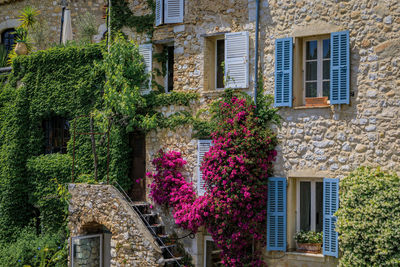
57 82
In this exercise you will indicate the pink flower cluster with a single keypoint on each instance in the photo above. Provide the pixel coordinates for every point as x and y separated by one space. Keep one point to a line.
235 171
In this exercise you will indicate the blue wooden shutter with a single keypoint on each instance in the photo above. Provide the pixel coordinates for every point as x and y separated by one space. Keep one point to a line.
283 72
276 214
330 206
340 68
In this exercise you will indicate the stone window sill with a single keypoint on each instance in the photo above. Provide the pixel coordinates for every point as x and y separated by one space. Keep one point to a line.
310 107
305 256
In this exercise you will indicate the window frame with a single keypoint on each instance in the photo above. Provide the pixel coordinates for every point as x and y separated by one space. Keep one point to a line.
222 37
207 238
73 238
320 59
313 204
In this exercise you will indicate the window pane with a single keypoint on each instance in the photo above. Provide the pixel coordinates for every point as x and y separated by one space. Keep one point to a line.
311 71
326 69
219 62
305 206
311 50
212 254
318 206
327 48
311 89
170 62
326 87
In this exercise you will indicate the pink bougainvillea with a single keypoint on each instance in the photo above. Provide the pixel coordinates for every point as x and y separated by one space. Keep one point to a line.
235 171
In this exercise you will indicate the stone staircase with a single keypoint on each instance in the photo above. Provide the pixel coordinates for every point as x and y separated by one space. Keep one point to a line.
157 229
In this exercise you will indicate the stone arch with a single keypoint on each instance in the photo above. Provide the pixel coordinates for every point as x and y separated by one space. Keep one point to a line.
8 24
95 206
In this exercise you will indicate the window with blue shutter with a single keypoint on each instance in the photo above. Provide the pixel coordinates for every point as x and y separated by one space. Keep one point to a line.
276 214
283 72
330 206
340 68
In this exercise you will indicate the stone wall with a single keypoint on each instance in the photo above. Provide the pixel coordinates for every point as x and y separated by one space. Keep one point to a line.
131 242
50 11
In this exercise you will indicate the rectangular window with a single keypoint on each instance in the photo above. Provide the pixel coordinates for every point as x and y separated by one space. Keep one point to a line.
316 67
56 132
212 257
219 67
169 77
309 205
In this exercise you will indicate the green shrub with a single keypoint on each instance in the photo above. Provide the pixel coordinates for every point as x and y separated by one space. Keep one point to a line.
30 249
46 172
308 237
369 218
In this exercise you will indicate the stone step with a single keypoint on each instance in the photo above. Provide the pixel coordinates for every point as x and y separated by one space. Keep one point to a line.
158 229
151 218
171 261
143 207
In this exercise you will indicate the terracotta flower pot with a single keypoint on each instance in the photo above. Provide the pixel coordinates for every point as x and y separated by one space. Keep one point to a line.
309 247
21 49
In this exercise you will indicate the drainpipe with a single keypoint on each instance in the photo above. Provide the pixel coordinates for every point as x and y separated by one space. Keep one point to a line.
256 54
109 26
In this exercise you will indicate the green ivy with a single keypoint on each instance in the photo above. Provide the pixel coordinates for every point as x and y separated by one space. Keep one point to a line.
368 218
122 15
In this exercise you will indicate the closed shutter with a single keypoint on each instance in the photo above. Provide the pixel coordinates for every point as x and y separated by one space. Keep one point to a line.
146 50
173 11
283 72
159 12
203 147
276 214
340 68
237 60
330 206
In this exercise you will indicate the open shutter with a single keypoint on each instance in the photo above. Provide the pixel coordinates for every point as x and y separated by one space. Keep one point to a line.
283 72
340 68
173 11
203 147
146 50
276 214
237 60
159 12
330 206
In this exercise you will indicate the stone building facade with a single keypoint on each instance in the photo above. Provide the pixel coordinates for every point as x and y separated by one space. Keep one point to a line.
317 141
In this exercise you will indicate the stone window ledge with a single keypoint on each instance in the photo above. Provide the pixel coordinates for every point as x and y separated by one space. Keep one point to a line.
311 107
305 256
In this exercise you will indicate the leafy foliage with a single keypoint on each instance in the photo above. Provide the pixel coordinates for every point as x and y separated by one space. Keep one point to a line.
308 237
86 27
368 218
235 171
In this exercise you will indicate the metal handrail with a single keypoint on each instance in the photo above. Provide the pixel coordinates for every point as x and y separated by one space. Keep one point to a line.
125 195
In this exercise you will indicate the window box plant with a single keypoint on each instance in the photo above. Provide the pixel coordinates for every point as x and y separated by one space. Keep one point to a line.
308 241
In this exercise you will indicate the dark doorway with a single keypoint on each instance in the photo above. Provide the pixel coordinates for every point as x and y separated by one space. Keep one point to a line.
138 166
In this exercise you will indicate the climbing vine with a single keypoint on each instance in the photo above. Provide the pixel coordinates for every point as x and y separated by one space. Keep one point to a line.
235 171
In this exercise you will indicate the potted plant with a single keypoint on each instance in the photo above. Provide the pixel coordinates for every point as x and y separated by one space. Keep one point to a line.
308 241
21 35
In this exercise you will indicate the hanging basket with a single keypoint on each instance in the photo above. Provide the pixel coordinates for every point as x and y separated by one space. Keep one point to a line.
21 49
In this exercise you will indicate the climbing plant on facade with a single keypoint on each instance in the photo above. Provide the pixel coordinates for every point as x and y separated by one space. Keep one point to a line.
235 170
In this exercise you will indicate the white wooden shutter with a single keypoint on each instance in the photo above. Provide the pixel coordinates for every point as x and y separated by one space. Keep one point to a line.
146 50
237 60
173 11
159 12
203 147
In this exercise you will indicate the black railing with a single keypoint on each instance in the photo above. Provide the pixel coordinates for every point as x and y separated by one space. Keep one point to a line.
127 198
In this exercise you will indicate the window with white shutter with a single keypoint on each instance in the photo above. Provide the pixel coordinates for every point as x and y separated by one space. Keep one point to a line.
237 60
203 147
146 50
169 11
159 12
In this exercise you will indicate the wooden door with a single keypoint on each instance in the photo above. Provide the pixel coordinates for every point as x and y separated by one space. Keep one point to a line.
138 166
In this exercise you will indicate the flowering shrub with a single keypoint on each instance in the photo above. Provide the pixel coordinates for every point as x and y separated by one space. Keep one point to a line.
235 171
